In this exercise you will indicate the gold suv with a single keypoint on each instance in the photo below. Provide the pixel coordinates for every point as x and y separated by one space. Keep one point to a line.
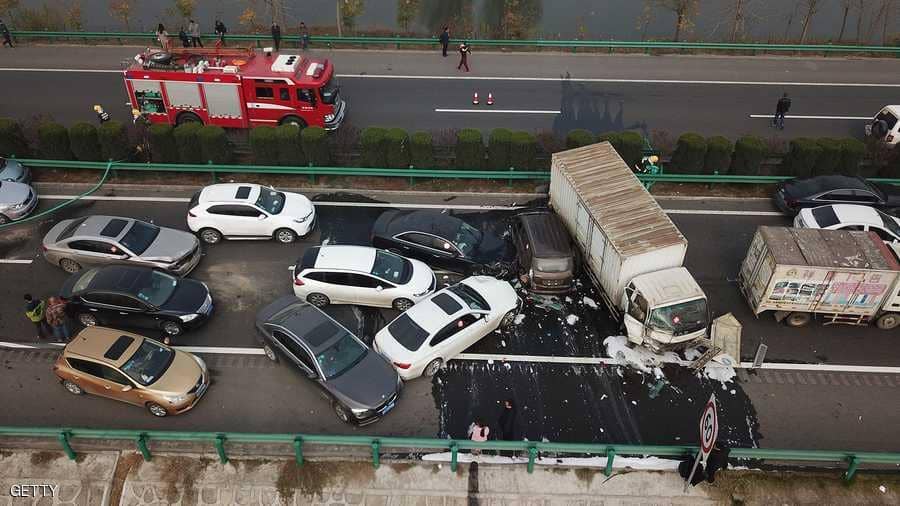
133 369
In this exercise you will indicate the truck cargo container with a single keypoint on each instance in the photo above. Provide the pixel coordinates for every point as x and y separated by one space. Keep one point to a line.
630 247
848 277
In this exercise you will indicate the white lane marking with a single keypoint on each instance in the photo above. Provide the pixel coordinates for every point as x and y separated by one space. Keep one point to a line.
24 262
507 111
317 203
112 198
722 212
20 346
769 116
538 79
221 350
613 80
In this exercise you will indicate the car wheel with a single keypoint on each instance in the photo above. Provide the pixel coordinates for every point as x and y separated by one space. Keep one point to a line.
318 299
508 319
888 321
172 329
69 265
797 319
270 353
72 388
156 410
4 220
285 235
342 413
87 319
432 368
210 235
402 304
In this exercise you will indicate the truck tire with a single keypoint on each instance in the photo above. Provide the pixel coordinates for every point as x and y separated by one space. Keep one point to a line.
797 319
888 321
293 120
188 117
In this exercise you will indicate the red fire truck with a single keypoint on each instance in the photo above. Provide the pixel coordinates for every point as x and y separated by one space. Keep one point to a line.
234 88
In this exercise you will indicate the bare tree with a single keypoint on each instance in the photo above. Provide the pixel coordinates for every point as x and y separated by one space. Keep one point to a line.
845 6
812 7
885 13
738 25
7 6
684 10
121 10
860 6
645 18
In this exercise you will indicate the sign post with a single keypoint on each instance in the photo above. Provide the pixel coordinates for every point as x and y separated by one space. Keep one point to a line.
709 431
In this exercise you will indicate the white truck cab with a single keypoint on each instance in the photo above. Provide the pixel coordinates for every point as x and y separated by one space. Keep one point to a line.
885 125
665 309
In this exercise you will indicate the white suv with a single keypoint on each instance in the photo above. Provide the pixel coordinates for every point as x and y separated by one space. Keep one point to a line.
249 211
361 275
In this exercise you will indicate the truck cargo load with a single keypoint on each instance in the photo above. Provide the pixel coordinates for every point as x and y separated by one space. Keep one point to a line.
844 276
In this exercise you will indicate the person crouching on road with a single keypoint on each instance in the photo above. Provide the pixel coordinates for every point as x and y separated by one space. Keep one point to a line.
463 56
56 318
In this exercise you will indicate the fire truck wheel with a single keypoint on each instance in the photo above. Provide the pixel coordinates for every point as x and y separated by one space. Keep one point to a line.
797 319
888 321
188 117
292 120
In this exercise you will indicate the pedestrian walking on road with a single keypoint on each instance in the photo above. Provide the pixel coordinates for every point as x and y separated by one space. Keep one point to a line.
463 56
56 318
445 40
162 36
276 36
7 37
479 432
194 32
34 311
102 116
782 108
304 36
185 40
220 33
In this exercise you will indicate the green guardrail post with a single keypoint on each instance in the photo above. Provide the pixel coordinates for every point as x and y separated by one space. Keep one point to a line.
142 446
298 450
64 441
454 456
610 456
215 179
220 448
376 455
532 456
509 181
851 470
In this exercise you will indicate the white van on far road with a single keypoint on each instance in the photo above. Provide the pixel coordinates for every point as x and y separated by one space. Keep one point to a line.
885 125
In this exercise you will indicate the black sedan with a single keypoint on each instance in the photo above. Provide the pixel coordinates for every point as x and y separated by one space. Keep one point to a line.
136 296
362 385
442 241
797 194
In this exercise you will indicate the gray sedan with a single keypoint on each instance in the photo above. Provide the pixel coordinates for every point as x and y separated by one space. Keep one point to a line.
12 170
101 240
17 200
361 384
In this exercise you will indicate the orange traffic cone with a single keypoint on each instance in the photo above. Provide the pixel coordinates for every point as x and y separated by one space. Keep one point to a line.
490 100
475 98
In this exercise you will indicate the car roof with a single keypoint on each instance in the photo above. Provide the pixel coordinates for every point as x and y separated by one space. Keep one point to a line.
120 278
429 221
92 227
894 109
230 192
309 324
818 184
355 258
546 234
850 213
95 342
429 315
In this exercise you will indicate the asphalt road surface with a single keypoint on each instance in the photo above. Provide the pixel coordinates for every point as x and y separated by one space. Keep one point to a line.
584 401
675 94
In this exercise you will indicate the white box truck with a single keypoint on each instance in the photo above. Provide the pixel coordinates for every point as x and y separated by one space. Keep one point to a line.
631 248
842 276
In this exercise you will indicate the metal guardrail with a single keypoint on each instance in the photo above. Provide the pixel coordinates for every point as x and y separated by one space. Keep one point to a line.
265 39
532 448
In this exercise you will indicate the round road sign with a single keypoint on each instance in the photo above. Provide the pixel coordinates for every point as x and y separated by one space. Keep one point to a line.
709 427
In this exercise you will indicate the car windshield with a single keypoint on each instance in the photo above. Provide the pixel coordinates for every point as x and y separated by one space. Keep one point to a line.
467 238
140 237
679 319
340 357
470 297
159 288
391 267
890 224
407 332
330 91
553 264
270 200
148 363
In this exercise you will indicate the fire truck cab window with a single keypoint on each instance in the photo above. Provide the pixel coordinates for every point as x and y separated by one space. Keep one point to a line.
264 92
284 94
305 95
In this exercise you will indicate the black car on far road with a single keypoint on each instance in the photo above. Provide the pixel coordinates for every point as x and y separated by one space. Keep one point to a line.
135 296
442 241
796 194
361 384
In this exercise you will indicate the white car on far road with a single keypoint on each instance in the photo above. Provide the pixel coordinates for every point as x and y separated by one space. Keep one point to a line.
361 275
422 339
249 211
851 217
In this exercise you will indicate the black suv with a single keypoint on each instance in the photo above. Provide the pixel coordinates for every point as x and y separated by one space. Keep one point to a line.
545 251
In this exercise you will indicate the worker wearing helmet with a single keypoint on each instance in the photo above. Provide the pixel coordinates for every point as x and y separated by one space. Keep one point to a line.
102 115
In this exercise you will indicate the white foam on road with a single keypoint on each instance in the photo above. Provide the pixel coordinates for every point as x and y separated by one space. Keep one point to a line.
506 111
643 463
15 261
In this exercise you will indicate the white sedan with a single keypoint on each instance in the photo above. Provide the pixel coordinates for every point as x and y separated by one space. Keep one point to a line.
361 275
422 339
851 217
249 211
